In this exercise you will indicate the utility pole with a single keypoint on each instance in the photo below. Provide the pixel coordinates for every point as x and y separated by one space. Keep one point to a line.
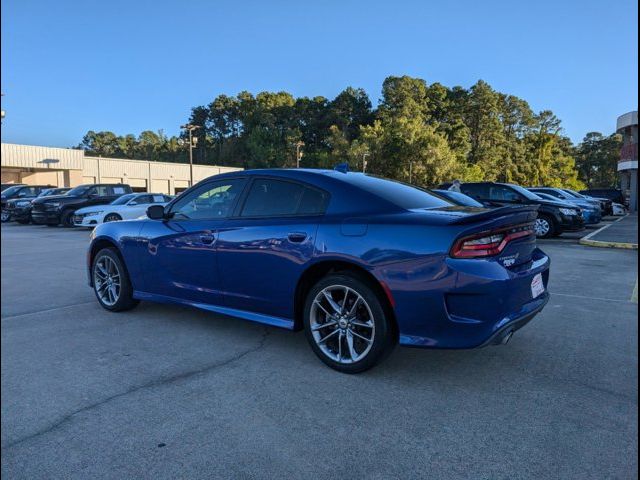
299 145
192 143
364 161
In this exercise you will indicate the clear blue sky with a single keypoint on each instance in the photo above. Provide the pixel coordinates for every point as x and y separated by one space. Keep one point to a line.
128 66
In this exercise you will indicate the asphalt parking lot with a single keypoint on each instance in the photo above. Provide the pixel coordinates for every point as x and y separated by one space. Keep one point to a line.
170 392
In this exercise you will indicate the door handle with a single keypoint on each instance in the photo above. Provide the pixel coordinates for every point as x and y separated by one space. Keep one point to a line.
207 239
297 237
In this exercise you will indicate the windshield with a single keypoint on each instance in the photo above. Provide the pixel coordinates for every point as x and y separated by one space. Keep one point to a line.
11 190
573 194
123 199
525 193
457 197
79 190
46 192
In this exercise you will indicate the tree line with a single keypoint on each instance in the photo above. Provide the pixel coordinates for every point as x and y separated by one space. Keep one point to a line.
421 133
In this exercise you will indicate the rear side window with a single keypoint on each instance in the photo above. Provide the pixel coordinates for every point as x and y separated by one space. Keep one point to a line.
275 198
475 190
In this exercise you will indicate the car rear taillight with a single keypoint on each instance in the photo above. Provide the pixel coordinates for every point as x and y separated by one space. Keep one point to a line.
488 244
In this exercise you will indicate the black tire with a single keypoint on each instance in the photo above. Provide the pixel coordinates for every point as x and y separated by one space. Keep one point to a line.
5 217
548 225
125 300
24 221
112 217
67 218
384 333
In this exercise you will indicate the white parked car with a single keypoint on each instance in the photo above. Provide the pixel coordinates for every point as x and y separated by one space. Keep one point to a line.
618 209
126 207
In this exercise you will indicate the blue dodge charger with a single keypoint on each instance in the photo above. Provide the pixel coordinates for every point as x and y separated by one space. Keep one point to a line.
358 262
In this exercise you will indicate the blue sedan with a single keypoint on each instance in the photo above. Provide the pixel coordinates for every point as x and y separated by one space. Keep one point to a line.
358 262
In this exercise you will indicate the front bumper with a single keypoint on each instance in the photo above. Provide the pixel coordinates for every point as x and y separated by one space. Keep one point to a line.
22 213
45 217
571 223
86 221
591 217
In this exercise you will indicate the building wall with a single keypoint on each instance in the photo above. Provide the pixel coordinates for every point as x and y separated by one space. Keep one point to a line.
68 167
627 126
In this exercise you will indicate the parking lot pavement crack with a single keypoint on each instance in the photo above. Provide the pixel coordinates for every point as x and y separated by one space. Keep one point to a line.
152 384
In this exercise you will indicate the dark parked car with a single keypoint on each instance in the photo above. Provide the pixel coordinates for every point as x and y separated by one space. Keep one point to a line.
612 194
18 191
59 209
19 209
592 210
360 263
554 218
9 185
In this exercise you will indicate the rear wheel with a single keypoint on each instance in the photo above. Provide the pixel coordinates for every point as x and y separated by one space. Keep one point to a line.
544 227
346 323
111 282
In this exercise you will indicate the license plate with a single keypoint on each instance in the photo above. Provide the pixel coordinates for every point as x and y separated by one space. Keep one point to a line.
537 286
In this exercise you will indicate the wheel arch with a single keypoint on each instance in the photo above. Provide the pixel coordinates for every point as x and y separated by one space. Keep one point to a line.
325 267
100 244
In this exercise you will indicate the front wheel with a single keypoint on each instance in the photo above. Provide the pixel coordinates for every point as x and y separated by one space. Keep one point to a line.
346 323
112 217
544 227
5 217
111 282
67 218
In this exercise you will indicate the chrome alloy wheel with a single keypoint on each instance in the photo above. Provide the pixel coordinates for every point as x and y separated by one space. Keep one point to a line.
541 227
342 324
107 280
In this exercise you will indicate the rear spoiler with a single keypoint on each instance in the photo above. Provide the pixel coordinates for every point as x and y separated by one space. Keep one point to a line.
496 213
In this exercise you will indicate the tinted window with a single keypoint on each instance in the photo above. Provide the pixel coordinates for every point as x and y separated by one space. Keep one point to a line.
212 200
475 190
79 190
140 199
268 198
100 190
500 192
313 202
400 194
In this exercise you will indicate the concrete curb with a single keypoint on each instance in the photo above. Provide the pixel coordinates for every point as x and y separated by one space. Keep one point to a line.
597 243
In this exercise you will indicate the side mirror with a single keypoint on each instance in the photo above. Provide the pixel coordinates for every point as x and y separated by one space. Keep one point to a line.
155 212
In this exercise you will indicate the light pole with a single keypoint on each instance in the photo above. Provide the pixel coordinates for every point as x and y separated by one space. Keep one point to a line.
364 161
192 143
299 145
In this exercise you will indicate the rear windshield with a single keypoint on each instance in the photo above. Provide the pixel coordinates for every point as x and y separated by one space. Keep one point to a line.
400 194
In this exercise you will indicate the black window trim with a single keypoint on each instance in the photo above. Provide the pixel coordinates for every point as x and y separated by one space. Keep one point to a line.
243 198
197 186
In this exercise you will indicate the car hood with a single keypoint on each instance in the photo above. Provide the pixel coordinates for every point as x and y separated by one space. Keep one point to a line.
96 208
54 198
558 204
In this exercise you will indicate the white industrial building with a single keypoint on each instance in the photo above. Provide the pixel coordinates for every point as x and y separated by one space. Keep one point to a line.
68 167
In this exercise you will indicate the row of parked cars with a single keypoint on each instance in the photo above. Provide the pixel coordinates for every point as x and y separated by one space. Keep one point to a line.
559 209
82 206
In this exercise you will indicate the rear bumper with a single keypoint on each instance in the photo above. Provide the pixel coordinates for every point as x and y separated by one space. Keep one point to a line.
471 303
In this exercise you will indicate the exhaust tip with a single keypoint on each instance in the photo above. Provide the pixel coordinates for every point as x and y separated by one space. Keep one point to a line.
507 337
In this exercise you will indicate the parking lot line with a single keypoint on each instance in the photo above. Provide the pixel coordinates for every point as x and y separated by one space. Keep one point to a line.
634 295
602 299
